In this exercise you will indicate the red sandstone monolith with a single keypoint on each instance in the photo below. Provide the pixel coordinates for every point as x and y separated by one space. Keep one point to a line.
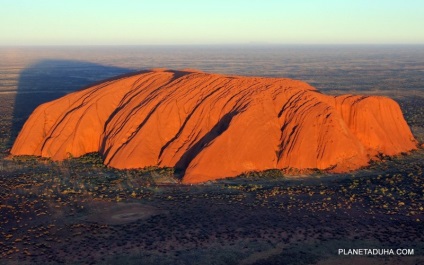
215 126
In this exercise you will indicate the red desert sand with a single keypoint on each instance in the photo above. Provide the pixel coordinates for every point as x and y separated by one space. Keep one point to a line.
216 126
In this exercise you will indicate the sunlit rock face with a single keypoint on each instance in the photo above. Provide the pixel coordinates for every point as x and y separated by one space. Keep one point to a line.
215 126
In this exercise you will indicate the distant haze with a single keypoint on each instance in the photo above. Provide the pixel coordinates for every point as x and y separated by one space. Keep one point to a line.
131 22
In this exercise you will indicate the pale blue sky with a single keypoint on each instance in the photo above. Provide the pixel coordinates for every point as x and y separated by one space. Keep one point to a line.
139 22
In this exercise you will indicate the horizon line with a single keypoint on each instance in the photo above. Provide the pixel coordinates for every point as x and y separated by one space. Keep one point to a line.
214 44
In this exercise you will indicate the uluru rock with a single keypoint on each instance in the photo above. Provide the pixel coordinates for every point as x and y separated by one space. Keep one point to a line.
215 126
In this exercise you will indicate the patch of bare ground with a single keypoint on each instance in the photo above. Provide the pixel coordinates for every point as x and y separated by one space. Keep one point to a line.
120 213
255 257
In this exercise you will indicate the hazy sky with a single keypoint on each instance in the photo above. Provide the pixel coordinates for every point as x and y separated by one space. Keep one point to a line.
69 22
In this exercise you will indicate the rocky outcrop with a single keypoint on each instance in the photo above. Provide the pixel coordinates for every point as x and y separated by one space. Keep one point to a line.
214 126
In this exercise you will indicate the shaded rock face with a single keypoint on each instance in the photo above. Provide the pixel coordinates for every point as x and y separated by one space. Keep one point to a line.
214 126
